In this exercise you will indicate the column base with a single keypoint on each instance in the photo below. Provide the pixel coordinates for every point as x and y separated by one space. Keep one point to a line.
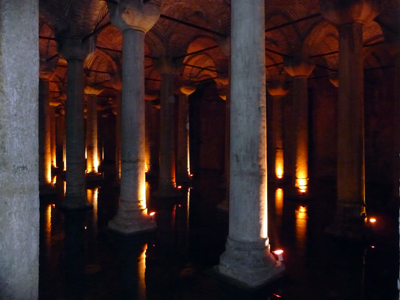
349 222
75 203
249 264
132 223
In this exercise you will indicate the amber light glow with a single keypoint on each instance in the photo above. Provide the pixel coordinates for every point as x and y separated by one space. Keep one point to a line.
372 220
142 273
301 226
279 201
301 184
279 163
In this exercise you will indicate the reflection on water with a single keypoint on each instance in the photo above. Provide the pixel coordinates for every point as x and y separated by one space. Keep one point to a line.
301 227
142 273
93 196
279 202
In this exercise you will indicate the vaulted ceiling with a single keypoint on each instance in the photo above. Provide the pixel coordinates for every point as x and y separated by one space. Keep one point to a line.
195 33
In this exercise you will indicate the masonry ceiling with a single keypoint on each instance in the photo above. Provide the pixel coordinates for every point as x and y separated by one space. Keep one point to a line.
195 34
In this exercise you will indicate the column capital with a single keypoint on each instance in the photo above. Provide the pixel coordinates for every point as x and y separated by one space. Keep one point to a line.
340 12
334 79
187 89
134 14
298 66
74 48
276 88
47 69
93 89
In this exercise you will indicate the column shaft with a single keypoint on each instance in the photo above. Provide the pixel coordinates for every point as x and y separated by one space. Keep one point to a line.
183 140
277 137
247 256
167 140
118 136
350 165
300 105
75 144
19 157
52 112
131 216
44 134
92 161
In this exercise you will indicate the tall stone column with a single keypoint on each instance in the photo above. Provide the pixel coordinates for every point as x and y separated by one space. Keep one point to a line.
300 69
182 161
19 157
118 135
350 17
45 185
75 52
60 139
92 151
277 92
151 149
134 19
247 257
53 135
166 185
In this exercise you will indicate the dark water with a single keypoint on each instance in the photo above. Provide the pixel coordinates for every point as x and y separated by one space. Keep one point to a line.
81 259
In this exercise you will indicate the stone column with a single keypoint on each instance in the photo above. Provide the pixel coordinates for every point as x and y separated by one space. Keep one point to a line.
182 162
350 16
277 92
247 257
53 136
300 68
134 19
19 184
151 153
45 185
75 52
92 152
60 140
118 135
166 185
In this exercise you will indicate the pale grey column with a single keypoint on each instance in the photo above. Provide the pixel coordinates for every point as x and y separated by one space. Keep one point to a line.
247 257
74 51
118 136
19 149
132 215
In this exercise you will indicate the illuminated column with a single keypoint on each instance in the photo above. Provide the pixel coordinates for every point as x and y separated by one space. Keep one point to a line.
75 52
277 92
92 153
183 167
60 139
53 136
166 185
151 153
300 69
247 257
134 19
350 16
44 138
19 183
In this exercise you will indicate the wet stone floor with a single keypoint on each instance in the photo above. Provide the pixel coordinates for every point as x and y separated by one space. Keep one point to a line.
80 258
